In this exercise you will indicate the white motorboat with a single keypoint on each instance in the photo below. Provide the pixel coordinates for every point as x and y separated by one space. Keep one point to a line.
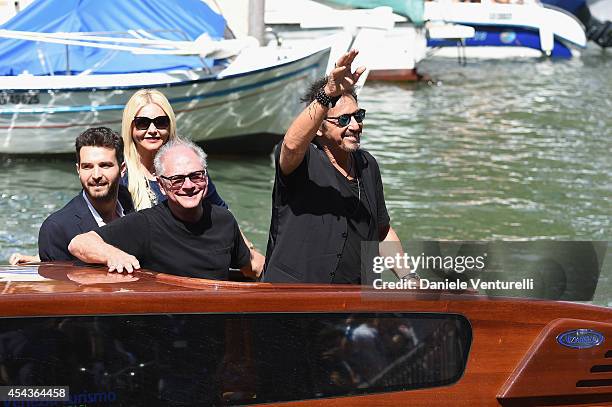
507 29
390 45
596 15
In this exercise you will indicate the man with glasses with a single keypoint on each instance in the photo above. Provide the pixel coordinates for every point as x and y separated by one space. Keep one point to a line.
328 194
182 235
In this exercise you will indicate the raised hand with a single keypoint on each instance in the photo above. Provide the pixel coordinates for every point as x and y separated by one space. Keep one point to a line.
341 79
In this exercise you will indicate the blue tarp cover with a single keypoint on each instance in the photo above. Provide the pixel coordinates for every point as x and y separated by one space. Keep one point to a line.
190 17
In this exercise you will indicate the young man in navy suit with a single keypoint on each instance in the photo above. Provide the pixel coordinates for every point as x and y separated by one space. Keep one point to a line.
99 153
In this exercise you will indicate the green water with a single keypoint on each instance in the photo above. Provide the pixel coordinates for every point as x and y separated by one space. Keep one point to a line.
495 150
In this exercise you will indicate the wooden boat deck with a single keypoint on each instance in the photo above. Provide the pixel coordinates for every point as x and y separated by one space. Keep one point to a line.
506 332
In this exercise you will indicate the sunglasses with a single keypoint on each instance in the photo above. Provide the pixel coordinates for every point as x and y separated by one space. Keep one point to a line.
177 181
344 119
143 123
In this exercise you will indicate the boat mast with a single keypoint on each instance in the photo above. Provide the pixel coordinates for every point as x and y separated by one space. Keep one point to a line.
256 19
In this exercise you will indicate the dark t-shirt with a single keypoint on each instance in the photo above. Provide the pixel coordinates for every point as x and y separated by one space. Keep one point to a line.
360 228
310 230
163 243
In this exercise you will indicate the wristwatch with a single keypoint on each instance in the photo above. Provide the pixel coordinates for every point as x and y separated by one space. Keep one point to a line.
327 101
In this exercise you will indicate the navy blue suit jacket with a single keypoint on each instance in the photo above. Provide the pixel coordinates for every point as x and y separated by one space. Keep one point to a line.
60 227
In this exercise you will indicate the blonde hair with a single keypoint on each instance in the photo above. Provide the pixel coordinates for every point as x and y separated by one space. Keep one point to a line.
137 181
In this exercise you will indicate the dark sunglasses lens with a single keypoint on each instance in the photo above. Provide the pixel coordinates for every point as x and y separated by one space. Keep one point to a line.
161 122
359 115
142 123
344 120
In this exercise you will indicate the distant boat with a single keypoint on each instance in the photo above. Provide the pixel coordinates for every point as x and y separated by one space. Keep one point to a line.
595 15
390 45
503 30
68 65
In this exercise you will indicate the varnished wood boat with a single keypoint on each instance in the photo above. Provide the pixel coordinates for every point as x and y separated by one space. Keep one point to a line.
156 339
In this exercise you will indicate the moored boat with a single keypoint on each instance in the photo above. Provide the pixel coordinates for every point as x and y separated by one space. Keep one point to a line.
390 45
78 72
507 29
595 15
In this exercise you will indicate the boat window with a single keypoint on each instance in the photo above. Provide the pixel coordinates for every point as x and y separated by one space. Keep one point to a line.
226 359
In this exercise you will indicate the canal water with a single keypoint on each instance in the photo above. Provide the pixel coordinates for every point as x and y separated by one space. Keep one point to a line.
495 150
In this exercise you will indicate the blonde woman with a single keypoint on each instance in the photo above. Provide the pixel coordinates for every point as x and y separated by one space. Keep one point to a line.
148 123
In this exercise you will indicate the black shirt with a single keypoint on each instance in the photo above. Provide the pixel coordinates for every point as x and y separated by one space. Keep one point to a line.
163 243
360 228
309 228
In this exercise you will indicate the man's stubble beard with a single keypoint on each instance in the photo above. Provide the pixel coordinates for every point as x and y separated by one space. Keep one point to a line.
351 148
111 193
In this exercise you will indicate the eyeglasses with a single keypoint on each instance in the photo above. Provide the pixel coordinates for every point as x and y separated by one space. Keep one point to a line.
344 119
143 123
177 181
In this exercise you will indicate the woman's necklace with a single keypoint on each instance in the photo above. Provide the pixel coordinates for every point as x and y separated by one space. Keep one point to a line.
151 193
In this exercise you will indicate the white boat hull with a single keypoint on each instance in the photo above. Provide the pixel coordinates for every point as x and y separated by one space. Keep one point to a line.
490 52
389 47
382 52
246 107
509 30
